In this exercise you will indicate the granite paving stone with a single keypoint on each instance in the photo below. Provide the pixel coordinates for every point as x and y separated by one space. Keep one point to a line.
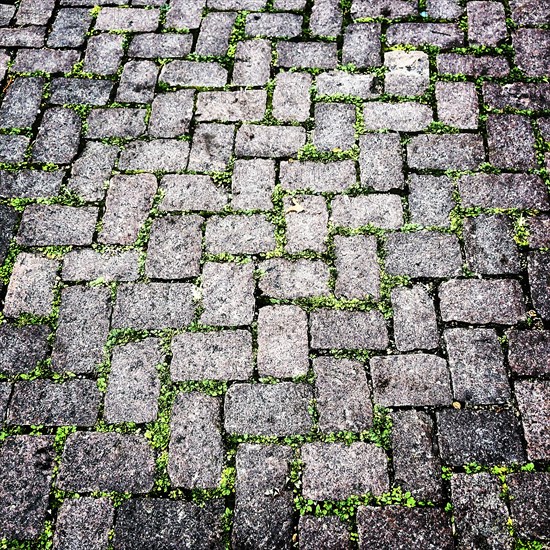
212 147
30 184
214 34
334 83
104 54
21 102
69 28
539 271
306 223
150 46
121 122
80 90
87 264
334 126
22 347
380 210
529 352
381 161
252 184
191 192
193 73
408 73
252 63
137 82
324 532
400 117
317 176
291 96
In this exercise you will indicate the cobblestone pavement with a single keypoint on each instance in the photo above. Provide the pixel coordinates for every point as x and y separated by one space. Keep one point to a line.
275 274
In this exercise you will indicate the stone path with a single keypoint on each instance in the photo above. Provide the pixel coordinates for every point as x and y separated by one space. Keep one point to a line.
275 274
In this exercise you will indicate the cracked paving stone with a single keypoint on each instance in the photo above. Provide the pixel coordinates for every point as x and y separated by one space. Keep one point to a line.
286 279
418 380
385 211
482 301
398 527
335 471
423 254
263 504
280 409
82 331
338 329
246 234
22 347
106 462
31 286
153 305
223 355
416 463
306 219
84 522
480 515
323 532
529 352
227 294
483 436
26 468
86 264
414 319
282 342
317 176
191 192
36 402
196 448
342 395
530 494
134 386
476 362
162 524
175 246
534 404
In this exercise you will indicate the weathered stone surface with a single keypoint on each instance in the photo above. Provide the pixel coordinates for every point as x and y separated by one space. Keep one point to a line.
106 462
326 18
82 331
539 231
418 379
134 385
286 279
127 19
253 184
486 437
531 47
334 126
482 301
362 45
486 23
472 65
414 319
446 151
26 468
385 8
252 63
330 328
307 55
8 220
212 147
525 12
45 60
539 272
137 82
534 404
214 33
381 161
343 83
263 504
268 141
243 105
317 176
511 142
282 342
529 352
196 447
342 395
185 14
518 95
84 523
444 35
480 514
121 122
86 264
29 184
274 25
193 73
36 402
291 100
175 247
334 471
12 148
157 155
191 192
104 53
21 348
150 46
224 355
228 294
416 464
457 104
31 286
306 223
399 527
323 532
423 254
408 72
163 524
399 117
358 271
268 409
430 199
21 103
477 367
530 493
153 305
247 234
380 210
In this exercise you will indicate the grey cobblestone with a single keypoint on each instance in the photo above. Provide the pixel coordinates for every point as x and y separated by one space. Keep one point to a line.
381 161
306 223
191 192
408 73
291 96
401 117
22 347
86 264
211 148
104 54
252 63
317 176
380 210
252 184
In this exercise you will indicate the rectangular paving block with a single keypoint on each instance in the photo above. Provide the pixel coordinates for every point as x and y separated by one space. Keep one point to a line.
69 28
134 385
21 348
380 210
30 184
157 155
37 402
282 341
418 380
517 151
529 352
430 200
340 329
106 462
408 74
362 45
45 60
323 532
291 96
205 74
254 140
334 126
26 468
307 55
400 117
538 266
151 46
217 355
263 503
104 54
444 35
381 161
87 264
21 103
171 113
228 294
196 450
191 192
214 34
252 63
306 220
127 19
80 90
153 305
317 176
268 409
333 83
212 147
335 471
119 122
342 394
252 184
82 331
244 105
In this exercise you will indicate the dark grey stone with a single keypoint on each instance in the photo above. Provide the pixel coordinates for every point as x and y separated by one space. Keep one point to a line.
517 95
268 409
539 281
36 402
196 452
12 148
69 28
483 436
21 348
151 46
30 184
529 352
327 532
104 53
80 90
21 103
511 142
86 264
317 176
137 82
534 404
362 45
